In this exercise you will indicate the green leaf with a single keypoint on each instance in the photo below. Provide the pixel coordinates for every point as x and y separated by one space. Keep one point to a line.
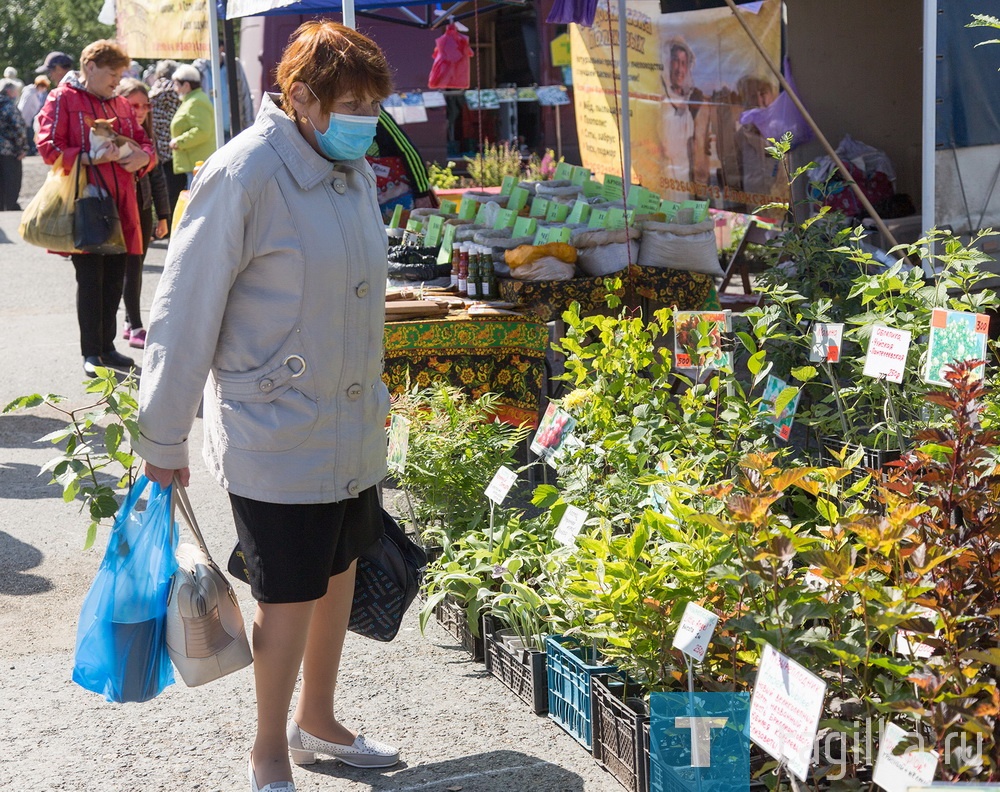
24 403
805 373
784 399
113 438
828 511
755 362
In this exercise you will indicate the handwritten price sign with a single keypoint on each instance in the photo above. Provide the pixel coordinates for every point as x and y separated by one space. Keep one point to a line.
695 631
502 481
887 351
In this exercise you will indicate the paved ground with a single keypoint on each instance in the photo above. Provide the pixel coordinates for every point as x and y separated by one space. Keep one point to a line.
458 728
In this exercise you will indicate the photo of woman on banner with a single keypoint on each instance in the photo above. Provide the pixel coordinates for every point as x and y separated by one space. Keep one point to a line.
683 122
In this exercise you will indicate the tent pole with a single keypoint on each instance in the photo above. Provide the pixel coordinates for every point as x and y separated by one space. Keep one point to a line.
849 180
348 14
928 175
232 78
215 55
623 105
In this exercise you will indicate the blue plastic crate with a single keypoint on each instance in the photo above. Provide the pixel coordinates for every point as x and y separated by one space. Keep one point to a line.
569 669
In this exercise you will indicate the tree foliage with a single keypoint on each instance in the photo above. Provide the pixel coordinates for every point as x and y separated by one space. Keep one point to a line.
30 29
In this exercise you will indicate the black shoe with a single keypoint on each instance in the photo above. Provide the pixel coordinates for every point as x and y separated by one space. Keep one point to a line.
90 365
115 359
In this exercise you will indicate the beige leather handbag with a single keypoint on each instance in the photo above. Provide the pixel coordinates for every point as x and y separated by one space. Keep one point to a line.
206 636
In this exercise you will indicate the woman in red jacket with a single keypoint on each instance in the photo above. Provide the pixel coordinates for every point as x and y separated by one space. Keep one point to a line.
63 130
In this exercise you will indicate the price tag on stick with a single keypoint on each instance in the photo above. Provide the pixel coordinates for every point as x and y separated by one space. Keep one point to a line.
570 525
502 481
908 770
695 631
887 351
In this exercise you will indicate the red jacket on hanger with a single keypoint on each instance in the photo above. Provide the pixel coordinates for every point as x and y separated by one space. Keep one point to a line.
452 54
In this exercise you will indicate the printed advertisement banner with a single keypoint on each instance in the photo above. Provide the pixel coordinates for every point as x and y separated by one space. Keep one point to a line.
164 28
691 75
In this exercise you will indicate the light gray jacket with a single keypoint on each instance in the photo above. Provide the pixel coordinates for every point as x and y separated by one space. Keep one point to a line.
273 300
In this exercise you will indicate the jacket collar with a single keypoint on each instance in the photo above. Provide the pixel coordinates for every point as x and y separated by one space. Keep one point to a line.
306 166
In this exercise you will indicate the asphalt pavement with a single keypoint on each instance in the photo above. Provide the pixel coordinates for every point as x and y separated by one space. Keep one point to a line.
458 728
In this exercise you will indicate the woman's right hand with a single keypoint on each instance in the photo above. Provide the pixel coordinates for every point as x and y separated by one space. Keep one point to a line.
165 476
109 153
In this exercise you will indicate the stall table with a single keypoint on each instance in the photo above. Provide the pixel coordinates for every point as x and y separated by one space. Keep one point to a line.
502 354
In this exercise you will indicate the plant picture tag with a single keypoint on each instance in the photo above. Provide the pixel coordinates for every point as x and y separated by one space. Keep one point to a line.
557 212
649 202
598 218
447 243
570 525
552 430
827 340
698 339
397 216
615 219
887 351
505 218
956 336
592 189
502 481
539 207
613 187
399 443
669 208
467 208
525 226
780 401
580 213
912 768
695 631
580 175
518 199
785 708
508 184
564 171
435 225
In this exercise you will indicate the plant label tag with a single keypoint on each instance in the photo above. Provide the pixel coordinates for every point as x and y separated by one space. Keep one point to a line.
562 234
785 708
956 336
467 208
557 212
780 401
399 443
615 219
502 481
886 356
555 425
397 216
539 207
827 340
598 218
481 215
908 644
699 210
613 187
912 768
505 218
447 242
435 224
570 525
518 199
414 226
580 175
634 196
649 202
525 226
669 208
564 171
509 183
541 237
447 207
592 189
580 213
695 631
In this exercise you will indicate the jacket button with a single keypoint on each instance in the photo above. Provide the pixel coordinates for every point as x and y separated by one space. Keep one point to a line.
354 392
340 186
362 290
266 385
352 487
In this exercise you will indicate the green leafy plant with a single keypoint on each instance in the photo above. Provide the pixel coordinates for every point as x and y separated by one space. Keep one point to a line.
93 444
542 168
497 160
442 178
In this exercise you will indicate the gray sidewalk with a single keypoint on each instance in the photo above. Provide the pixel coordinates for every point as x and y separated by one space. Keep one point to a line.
458 728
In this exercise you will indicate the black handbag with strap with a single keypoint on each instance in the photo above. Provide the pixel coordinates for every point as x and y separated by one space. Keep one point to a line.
97 228
387 581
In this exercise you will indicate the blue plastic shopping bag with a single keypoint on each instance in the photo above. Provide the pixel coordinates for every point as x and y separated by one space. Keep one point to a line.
121 647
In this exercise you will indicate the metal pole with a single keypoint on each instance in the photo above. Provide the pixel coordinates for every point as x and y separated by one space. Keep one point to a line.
232 78
848 179
348 13
624 129
213 33
928 175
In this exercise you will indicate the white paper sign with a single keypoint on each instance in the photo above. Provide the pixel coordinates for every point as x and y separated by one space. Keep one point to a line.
899 773
827 341
695 631
434 99
785 708
502 481
887 353
570 525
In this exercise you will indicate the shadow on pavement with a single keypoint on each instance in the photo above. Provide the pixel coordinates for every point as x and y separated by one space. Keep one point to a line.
496 771
17 557
4 239
23 431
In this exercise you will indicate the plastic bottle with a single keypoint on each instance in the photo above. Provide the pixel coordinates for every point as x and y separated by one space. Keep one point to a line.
472 280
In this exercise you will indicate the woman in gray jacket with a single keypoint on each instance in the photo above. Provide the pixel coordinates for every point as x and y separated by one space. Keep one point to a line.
273 299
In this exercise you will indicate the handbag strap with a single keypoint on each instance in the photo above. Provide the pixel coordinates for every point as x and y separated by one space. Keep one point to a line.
183 504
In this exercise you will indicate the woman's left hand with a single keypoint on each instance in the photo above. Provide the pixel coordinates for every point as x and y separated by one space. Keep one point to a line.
161 228
135 161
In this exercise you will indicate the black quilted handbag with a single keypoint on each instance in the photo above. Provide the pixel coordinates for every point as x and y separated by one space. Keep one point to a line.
96 225
388 579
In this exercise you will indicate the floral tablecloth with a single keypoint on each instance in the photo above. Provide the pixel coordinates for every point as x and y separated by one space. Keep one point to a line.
504 355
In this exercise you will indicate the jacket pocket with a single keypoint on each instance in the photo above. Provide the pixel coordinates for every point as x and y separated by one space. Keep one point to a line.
266 409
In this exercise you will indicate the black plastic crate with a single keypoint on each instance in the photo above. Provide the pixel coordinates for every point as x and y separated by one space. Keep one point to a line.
451 615
872 459
618 731
520 670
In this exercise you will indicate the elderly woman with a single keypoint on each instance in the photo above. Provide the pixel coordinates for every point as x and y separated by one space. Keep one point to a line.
63 130
273 290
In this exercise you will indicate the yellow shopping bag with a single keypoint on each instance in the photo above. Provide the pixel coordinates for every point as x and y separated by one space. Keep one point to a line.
48 219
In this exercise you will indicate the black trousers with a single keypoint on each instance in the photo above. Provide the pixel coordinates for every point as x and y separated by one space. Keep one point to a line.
175 183
132 288
99 282
10 183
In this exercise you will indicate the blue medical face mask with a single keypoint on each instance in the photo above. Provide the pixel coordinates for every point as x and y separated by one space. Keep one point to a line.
348 136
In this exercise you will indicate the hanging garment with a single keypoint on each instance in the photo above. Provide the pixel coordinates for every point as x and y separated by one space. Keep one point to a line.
452 54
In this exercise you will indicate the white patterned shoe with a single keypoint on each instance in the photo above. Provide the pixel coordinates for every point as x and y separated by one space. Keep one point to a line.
274 786
364 752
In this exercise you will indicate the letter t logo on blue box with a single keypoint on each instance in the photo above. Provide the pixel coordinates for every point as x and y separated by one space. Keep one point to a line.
699 738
